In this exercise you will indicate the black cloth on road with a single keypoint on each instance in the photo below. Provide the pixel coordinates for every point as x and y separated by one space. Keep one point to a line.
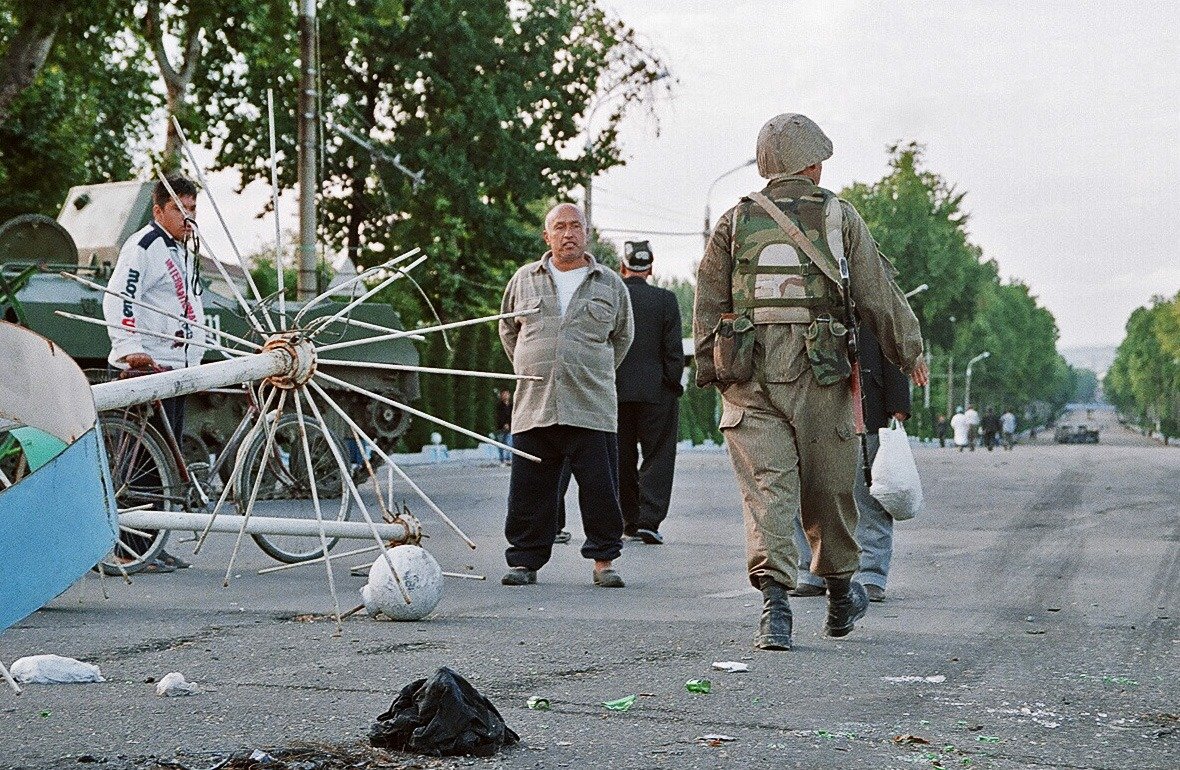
442 716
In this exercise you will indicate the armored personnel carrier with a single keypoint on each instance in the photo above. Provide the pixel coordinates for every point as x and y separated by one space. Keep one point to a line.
85 239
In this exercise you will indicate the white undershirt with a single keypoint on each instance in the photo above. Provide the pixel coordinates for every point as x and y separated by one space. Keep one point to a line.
567 282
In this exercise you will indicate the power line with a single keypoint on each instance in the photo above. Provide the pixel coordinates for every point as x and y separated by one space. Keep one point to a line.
645 232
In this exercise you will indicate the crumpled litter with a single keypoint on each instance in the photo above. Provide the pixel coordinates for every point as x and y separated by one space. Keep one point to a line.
174 685
621 704
714 739
936 679
54 669
730 666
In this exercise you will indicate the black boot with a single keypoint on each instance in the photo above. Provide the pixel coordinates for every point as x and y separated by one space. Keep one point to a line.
847 603
774 632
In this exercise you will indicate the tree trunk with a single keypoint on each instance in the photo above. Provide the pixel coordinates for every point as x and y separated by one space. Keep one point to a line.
178 78
26 53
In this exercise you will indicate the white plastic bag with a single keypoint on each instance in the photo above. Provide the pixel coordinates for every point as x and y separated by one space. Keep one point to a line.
174 684
896 485
54 669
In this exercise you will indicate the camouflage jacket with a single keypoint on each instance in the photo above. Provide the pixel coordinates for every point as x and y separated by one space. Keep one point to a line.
780 349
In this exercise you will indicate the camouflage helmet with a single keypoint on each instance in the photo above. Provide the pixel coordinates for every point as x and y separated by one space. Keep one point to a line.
789 143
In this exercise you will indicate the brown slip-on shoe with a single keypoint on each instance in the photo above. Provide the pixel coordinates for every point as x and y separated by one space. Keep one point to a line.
608 578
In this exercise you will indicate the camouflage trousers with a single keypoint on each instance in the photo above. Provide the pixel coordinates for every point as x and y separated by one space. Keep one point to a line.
793 451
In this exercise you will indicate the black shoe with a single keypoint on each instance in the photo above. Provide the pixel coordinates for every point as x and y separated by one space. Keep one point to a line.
650 536
847 603
808 589
519 576
876 593
774 630
563 537
173 561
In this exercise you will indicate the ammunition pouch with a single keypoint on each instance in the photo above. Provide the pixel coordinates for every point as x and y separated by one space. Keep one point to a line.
827 349
733 349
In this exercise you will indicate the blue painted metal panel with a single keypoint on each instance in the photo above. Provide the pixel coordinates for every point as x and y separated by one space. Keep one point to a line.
55 524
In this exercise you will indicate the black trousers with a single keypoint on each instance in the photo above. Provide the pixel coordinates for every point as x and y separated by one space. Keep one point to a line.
173 412
646 490
533 493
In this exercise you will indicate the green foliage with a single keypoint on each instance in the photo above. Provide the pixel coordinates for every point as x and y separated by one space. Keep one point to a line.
918 220
483 98
1085 385
1144 380
85 115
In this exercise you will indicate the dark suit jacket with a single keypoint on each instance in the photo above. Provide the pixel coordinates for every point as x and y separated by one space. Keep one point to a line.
655 361
886 389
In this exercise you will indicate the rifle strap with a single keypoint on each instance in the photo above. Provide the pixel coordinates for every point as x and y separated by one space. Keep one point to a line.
795 234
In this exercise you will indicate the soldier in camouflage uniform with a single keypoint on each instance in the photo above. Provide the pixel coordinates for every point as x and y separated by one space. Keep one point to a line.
771 333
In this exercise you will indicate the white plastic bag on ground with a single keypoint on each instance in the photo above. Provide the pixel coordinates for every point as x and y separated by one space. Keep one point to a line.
174 685
54 669
896 485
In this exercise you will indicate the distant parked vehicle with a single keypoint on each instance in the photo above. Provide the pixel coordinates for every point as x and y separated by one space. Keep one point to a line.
1075 434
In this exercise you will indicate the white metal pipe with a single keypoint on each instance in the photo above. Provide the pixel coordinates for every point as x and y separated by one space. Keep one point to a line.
339 289
428 369
178 382
260 525
393 466
160 335
180 134
274 199
439 328
161 311
397 276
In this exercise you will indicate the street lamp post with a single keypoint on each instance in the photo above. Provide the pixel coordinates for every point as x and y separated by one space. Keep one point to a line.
588 147
708 219
967 389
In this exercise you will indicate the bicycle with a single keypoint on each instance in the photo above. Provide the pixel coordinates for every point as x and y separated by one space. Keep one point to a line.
149 469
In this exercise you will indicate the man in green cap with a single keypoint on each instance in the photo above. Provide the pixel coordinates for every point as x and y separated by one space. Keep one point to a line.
771 332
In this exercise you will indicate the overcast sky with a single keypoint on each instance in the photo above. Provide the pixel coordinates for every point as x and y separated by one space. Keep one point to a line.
1060 120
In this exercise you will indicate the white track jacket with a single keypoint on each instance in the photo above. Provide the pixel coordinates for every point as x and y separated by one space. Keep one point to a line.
154 268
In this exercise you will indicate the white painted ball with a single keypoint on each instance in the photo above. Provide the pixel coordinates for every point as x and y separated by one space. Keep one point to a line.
419 573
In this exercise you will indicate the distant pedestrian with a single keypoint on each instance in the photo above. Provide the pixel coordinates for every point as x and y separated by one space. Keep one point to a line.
504 425
961 427
973 422
991 428
1008 427
940 428
648 384
574 343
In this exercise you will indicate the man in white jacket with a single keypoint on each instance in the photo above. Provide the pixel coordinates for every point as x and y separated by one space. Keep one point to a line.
156 267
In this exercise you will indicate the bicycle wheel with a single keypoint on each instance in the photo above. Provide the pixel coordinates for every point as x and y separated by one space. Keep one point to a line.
142 473
285 489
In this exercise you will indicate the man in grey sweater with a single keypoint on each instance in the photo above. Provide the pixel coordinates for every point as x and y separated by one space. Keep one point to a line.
575 340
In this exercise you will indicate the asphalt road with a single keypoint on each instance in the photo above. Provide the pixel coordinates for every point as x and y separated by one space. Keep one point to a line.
1030 622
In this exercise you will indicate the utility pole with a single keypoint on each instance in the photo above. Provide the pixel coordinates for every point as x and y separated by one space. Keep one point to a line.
308 120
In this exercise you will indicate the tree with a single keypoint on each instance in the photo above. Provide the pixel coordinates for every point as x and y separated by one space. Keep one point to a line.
1144 380
84 114
484 98
918 220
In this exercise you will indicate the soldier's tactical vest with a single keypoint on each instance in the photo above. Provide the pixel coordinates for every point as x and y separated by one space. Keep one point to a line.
774 282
